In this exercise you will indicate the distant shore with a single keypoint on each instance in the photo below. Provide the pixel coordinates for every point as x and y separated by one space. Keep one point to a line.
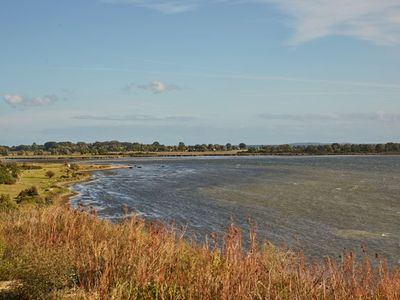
175 154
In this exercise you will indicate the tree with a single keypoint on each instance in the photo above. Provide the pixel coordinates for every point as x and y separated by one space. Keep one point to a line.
380 148
50 174
228 146
3 151
181 146
242 146
49 145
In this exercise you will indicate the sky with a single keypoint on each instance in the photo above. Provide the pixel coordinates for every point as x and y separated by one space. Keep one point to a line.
200 71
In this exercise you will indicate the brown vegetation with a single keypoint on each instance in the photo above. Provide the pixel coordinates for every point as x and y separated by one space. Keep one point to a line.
56 252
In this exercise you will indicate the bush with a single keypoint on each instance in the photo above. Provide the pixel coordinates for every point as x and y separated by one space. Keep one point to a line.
30 195
74 167
9 173
43 272
6 203
50 174
6 177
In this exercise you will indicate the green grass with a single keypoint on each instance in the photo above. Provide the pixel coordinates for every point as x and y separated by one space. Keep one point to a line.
45 185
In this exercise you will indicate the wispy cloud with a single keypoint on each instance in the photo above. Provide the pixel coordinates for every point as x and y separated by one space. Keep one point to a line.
134 118
156 87
379 116
376 21
20 100
162 6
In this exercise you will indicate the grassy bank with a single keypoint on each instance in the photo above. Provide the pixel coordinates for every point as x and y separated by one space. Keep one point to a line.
55 252
63 176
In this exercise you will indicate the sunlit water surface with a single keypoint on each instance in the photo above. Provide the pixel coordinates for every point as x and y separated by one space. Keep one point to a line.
322 205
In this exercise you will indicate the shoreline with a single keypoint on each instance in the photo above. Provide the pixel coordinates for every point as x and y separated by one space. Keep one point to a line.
65 198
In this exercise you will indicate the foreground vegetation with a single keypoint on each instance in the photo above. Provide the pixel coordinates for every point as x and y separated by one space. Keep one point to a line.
60 253
54 252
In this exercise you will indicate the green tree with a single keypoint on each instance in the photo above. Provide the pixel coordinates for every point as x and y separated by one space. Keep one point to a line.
242 146
3 151
379 148
181 146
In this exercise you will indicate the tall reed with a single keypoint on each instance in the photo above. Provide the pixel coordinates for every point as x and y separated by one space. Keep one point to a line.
57 252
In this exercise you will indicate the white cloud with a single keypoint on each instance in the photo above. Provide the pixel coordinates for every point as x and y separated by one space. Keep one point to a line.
376 21
156 87
162 6
13 99
19 100
45 100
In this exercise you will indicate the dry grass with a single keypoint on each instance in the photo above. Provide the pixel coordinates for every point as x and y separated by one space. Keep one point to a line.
56 252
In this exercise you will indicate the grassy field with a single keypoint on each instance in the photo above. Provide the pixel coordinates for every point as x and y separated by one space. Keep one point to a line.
54 252
37 177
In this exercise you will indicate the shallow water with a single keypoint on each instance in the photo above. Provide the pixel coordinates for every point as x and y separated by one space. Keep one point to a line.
322 205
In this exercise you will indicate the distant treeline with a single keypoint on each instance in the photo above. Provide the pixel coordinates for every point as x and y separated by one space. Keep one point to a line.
110 147
116 147
326 149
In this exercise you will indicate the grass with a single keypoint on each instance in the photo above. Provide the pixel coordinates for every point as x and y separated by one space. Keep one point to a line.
73 254
54 252
46 186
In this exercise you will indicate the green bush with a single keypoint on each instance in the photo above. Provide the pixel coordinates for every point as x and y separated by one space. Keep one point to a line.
30 195
9 173
6 177
50 174
74 167
6 203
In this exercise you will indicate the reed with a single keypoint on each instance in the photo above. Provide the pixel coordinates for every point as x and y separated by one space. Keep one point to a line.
57 252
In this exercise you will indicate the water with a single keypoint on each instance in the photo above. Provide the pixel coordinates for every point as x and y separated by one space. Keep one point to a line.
322 205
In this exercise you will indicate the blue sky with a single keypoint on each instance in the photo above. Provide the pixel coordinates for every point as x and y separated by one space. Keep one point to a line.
209 71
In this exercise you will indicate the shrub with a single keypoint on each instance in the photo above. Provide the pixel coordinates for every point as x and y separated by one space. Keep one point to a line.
6 177
9 173
74 167
30 195
43 272
50 174
6 203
